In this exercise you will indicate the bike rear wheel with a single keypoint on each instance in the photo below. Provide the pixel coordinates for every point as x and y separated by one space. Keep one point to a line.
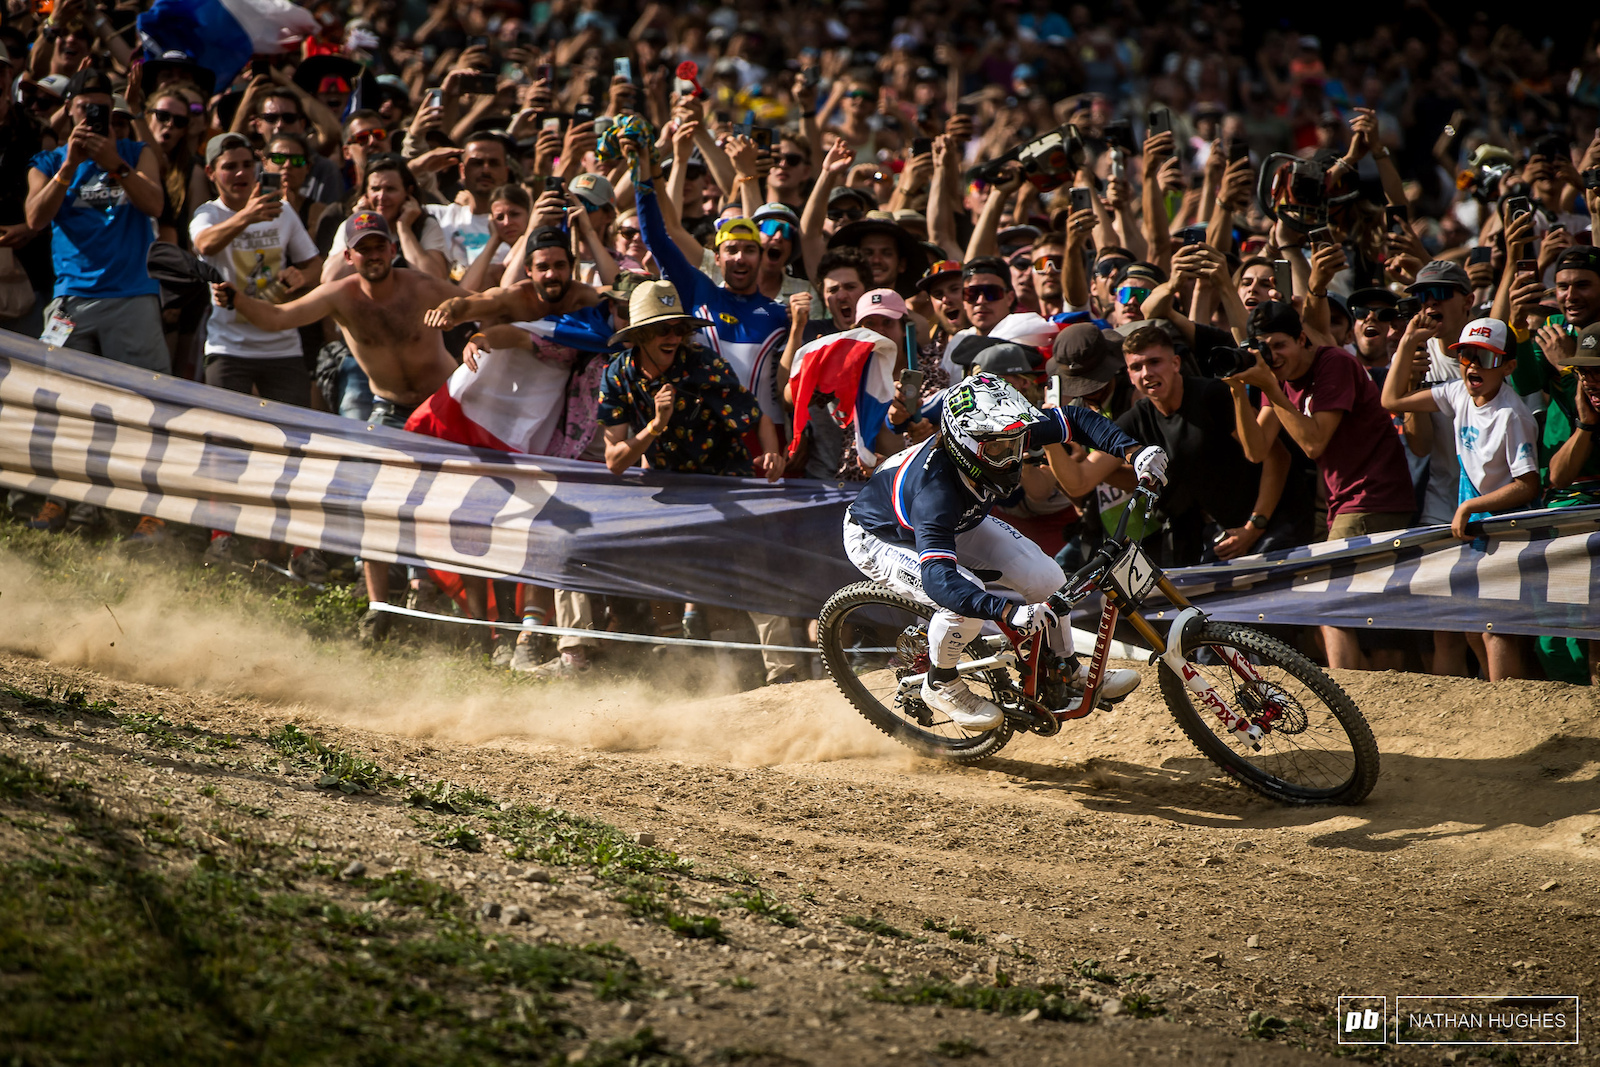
1316 747
870 637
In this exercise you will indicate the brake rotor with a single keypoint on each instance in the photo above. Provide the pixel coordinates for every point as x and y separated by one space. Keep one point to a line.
911 657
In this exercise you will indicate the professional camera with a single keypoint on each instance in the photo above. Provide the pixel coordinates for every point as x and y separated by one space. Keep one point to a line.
1226 362
1048 161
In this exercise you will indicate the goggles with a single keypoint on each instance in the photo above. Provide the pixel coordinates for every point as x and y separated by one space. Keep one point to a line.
1132 294
179 119
777 228
1437 293
1001 452
285 159
1048 264
988 293
943 268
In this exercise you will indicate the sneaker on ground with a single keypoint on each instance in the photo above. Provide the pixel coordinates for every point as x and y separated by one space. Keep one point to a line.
566 665
52 517
530 651
150 531
502 654
374 626
309 566
961 705
85 517
221 551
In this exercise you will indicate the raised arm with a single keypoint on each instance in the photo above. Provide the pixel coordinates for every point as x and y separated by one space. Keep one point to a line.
1409 362
313 307
942 196
983 234
813 241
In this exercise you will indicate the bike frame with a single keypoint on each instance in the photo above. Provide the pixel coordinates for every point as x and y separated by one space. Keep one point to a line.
1029 648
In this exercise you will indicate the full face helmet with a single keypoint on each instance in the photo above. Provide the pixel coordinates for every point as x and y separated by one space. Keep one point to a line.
984 431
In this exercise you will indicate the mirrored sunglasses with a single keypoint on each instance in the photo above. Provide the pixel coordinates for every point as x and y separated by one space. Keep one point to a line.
1437 293
285 159
1048 264
1131 294
987 293
777 228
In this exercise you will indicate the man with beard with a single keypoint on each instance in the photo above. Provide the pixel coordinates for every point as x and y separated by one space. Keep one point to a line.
548 290
380 308
466 222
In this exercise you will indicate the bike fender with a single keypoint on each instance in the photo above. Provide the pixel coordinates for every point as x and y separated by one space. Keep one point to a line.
1180 635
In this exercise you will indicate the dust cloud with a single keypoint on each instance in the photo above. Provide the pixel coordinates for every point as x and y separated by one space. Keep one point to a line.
146 637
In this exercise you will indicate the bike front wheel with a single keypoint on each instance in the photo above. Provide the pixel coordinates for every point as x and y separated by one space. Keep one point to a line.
1315 748
870 638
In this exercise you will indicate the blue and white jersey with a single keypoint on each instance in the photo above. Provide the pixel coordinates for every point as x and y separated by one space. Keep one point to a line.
918 498
749 329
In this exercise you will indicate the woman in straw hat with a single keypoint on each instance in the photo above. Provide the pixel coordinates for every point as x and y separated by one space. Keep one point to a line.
675 402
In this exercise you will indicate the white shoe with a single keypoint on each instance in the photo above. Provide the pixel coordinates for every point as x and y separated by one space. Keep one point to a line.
1114 685
965 708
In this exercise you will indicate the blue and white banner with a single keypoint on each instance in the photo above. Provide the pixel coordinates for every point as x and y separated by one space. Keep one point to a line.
87 429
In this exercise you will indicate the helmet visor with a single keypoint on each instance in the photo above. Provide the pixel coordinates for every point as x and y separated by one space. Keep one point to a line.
1001 452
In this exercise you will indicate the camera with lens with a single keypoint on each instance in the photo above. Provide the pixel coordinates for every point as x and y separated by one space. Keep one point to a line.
1226 362
1048 161
1591 178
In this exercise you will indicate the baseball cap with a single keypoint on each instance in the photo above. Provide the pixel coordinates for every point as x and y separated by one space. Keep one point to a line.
357 226
626 282
1587 354
781 212
1148 273
1084 359
1007 358
844 192
548 237
88 80
884 302
593 189
54 84
737 229
1442 272
942 269
224 142
1484 333
1579 257
987 265
119 106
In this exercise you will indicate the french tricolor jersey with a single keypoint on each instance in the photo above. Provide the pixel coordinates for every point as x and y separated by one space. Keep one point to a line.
918 498
748 330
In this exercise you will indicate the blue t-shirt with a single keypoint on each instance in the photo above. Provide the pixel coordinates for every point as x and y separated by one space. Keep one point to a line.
98 239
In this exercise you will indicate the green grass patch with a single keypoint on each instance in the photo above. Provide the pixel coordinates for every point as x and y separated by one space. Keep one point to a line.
461 838
1141 1005
341 770
550 835
955 933
69 701
658 908
1092 970
875 926
448 798
1050 1000
106 957
1261 1026
758 903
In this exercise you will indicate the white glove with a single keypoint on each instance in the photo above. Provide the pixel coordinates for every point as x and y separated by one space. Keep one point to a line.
1032 618
1151 462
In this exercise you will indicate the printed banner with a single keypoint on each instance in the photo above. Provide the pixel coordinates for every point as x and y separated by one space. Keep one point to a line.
87 429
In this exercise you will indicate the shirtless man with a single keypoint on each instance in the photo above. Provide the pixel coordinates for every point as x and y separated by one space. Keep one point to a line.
377 307
548 290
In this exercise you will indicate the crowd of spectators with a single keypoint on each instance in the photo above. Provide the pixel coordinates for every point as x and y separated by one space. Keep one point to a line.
1348 284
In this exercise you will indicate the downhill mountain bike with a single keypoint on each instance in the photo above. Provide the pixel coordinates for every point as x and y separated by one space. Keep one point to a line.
1260 710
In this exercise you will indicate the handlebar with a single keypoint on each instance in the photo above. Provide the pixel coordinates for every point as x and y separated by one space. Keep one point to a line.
1145 492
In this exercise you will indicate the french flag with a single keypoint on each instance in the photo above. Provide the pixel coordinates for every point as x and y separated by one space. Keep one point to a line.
222 35
856 368
515 399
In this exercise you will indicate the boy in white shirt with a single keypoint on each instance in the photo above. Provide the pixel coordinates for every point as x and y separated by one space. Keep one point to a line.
1496 443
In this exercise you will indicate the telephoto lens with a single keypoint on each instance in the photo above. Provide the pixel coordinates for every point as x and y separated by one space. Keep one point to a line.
1231 361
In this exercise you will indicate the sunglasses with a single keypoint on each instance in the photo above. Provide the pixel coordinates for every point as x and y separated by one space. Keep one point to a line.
1381 314
858 94
777 228
1109 267
285 159
628 233
1436 293
1131 294
367 137
1020 261
791 159
274 118
1048 265
1483 357
174 118
988 293
846 214
674 329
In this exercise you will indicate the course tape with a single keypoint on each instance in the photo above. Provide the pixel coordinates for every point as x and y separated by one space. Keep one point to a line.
1082 640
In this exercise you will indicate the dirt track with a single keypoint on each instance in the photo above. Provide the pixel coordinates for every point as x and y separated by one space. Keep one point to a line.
1473 868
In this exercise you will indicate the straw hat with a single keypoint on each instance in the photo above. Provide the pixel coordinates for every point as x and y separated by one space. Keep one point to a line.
653 303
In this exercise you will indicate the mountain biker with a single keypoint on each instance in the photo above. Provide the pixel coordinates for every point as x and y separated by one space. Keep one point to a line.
925 512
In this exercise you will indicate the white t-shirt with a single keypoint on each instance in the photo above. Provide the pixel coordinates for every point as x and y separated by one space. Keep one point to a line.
432 240
465 235
251 263
1495 443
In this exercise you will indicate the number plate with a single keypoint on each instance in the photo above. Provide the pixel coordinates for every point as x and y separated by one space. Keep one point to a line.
1133 574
